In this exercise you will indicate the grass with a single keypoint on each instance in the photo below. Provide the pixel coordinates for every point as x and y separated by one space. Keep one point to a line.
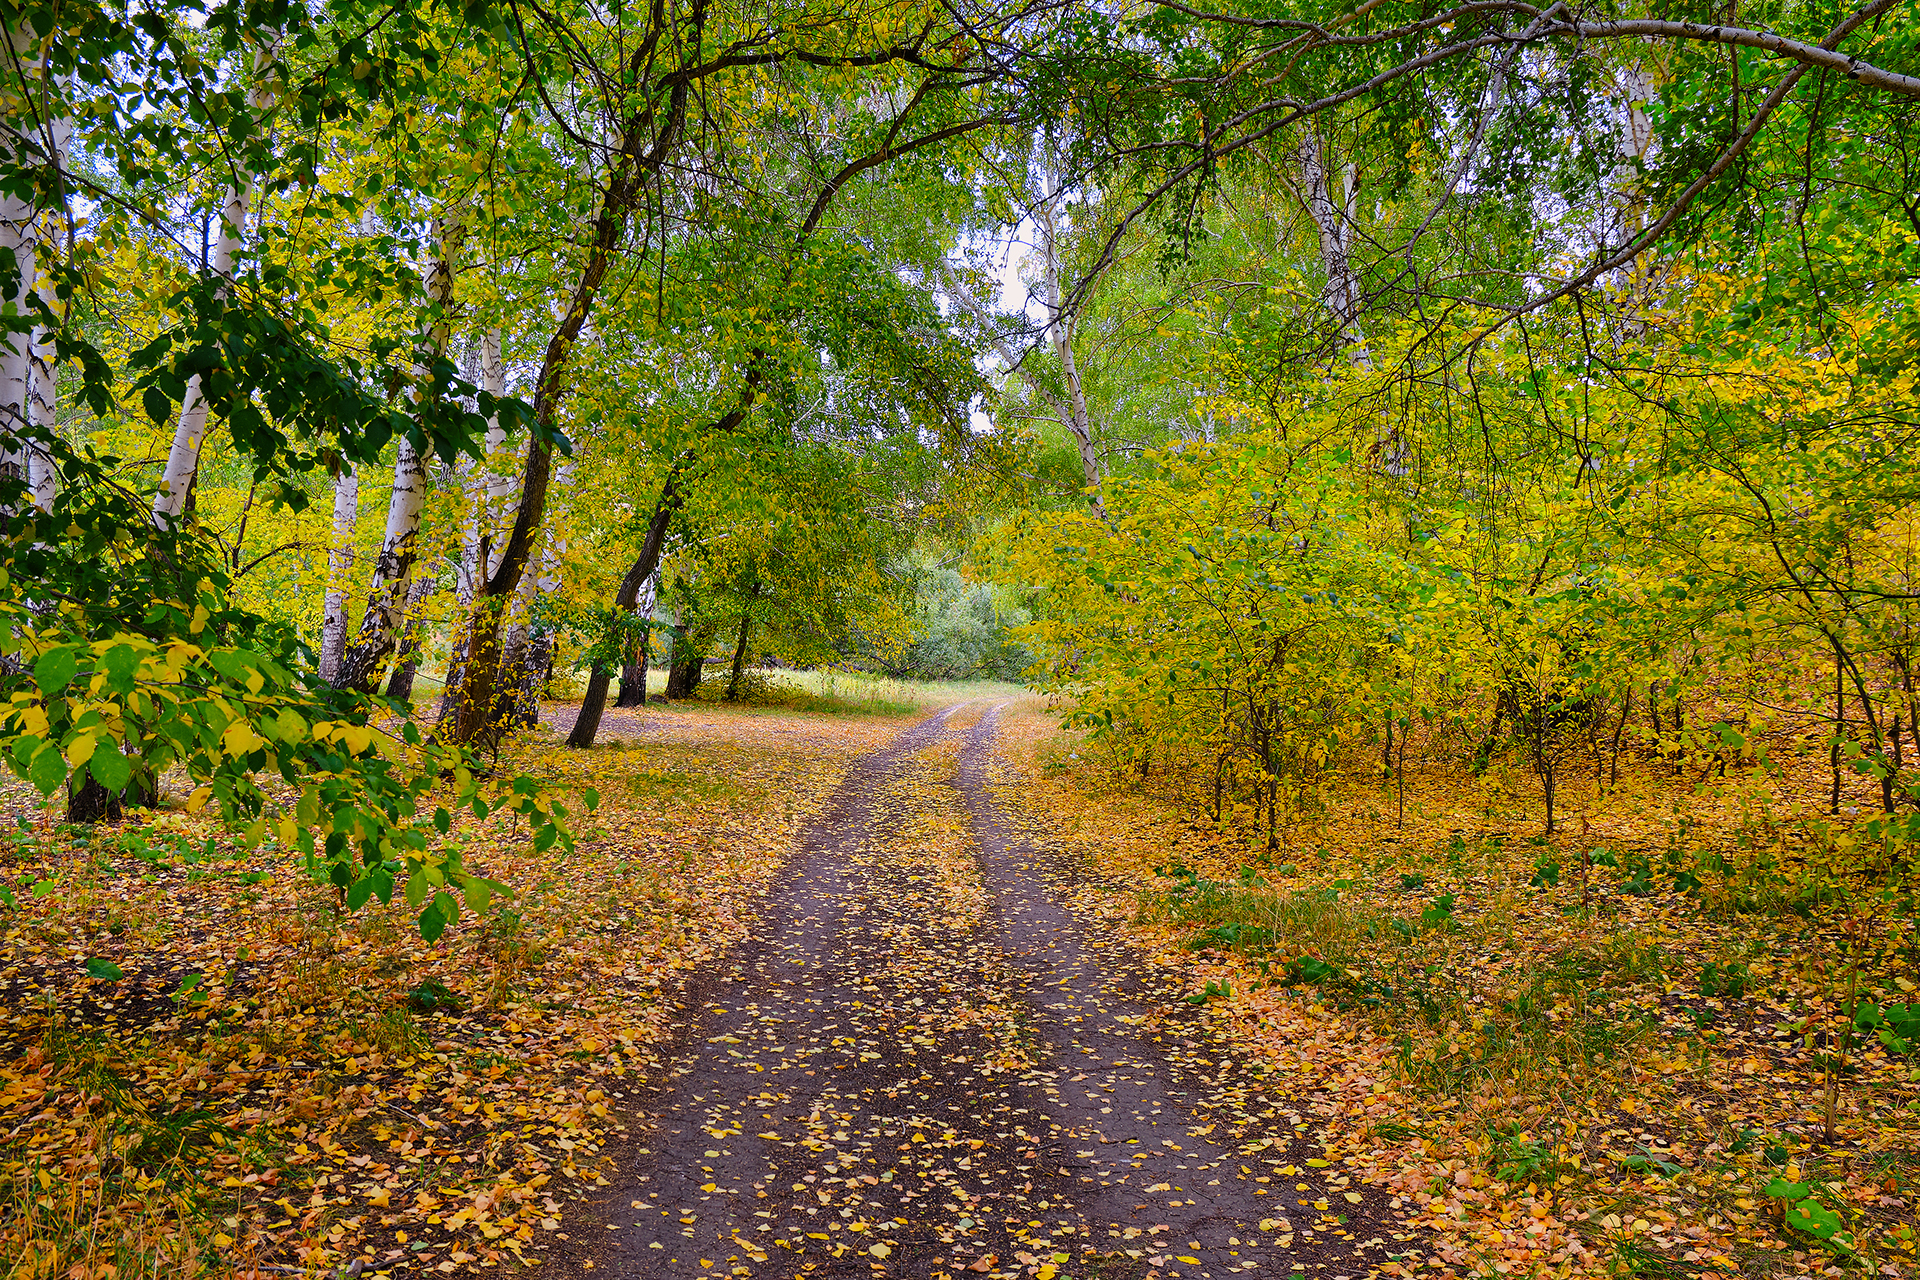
1641 1019
842 692
830 691
819 691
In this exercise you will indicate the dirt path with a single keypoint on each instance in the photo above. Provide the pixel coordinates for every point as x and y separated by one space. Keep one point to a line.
927 1066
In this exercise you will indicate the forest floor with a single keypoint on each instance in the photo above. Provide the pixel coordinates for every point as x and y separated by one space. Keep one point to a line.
892 995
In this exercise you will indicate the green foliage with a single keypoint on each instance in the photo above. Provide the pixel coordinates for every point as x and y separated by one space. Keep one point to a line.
958 630
104 970
1896 1025
125 656
1803 1212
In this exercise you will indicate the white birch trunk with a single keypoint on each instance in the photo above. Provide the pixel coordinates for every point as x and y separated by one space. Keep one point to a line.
471 477
1060 335
43 392
190 433
1636 142
380 625
18 234
1333 220
333 618
43 409
493 485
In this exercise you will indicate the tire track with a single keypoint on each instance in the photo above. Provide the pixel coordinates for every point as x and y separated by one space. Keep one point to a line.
927 1067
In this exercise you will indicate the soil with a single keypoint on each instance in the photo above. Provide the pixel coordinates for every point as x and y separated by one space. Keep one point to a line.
837 1106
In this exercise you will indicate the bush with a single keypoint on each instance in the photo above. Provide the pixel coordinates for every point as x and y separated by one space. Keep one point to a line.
960 631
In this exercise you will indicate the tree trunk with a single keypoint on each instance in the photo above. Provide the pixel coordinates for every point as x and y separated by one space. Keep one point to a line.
18 234
633 676
536 668
1333 219
526 648
43 414
189 434
594 704
91 802
385 614
633 682
641 152
333 617
43 410
1060 333
386 599
740 649
407 655
689 660
493 481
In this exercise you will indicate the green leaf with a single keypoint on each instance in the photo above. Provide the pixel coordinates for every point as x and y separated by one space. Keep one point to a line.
121 663
1781 1189
158 407
480 892
105 970
54 670
47 770
111 769
433 922
1818 1221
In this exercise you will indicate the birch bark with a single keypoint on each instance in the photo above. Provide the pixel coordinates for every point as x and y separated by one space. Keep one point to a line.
407 651
1333 220
175 497
43 372
1060 335
43 414
333 619
380 625
18 235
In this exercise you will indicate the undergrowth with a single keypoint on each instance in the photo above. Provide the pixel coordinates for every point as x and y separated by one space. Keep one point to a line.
1674 1042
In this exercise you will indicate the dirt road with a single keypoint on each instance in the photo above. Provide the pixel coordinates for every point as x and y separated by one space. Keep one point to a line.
928 1066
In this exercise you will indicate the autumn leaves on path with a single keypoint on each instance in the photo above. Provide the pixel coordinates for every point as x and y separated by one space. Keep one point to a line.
927 1066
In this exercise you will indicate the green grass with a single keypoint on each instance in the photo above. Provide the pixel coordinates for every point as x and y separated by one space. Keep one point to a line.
820 691
841 692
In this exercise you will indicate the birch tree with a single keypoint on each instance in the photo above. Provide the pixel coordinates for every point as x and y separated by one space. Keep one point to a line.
19 231
43 475
382 622
182 468
1332 213
340 557
1061 320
